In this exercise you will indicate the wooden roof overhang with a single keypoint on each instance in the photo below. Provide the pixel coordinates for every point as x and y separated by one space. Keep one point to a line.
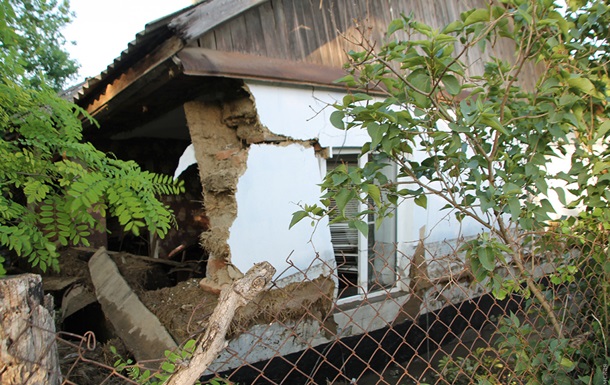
141 95
158 71
208 62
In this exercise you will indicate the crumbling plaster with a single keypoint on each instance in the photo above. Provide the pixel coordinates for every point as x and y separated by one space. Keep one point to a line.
253 180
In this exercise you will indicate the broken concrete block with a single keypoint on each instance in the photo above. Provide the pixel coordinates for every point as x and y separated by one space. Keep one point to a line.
139 329
75 298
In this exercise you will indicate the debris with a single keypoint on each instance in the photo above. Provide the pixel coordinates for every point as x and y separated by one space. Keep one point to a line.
75 298
139 329
209 345
51 283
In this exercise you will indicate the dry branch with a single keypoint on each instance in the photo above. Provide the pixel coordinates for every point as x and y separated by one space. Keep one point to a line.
209 345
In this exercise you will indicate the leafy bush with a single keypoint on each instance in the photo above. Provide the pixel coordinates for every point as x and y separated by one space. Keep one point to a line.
485 143
172 362
53 186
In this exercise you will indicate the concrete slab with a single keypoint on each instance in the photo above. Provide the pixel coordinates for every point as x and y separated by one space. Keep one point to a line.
139 329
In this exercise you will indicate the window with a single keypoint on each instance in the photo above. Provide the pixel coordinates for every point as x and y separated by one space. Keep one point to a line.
365 263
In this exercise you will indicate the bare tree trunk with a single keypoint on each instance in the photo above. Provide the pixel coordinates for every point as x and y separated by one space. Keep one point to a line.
210 344
28 351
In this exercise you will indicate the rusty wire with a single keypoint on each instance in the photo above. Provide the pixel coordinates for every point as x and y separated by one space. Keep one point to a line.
438 328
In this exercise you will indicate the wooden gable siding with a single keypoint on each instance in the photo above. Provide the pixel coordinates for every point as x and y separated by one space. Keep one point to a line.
322 31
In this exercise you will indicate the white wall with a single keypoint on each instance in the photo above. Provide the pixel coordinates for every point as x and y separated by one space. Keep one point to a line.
276 180
304 113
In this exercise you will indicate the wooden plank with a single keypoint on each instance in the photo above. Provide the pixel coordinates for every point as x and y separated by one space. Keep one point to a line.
320 27
272 33
335 50
281 28
239 34
207 15
296 48
311 33
222 35
208 40
254 32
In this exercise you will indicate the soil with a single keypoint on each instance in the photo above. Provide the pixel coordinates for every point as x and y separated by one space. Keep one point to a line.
183 309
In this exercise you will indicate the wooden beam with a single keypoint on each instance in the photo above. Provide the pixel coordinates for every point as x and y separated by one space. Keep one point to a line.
212 341
206 62
207 15
134 73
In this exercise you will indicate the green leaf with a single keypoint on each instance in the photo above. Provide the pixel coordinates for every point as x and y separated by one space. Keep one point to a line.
602 130
361 226
514 208
374 192
336 119
495 124
566 362
420 80
576 4
342 199
487 258
421 200
190 345
582 84
477 16
168 367
452 85
376 132
453 26
297 217
395 25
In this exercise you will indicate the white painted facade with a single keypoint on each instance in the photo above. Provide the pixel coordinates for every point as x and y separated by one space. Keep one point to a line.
278 178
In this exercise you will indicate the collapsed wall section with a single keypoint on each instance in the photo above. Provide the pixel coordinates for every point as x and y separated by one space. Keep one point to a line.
220 156
253 180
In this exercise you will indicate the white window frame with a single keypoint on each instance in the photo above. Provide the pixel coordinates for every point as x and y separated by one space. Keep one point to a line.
363 249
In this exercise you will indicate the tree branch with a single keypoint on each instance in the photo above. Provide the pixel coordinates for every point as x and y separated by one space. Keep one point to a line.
211 343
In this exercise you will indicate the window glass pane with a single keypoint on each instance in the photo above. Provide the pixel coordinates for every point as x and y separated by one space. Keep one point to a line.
382 253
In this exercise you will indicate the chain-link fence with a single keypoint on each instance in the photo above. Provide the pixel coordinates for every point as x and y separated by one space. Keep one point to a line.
431 323
434 324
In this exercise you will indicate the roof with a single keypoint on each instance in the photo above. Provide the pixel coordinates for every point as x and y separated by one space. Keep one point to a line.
177 29
216 43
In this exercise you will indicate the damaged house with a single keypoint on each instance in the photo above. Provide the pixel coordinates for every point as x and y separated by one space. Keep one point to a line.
234 97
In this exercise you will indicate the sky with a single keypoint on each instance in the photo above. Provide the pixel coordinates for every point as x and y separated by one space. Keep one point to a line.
103 28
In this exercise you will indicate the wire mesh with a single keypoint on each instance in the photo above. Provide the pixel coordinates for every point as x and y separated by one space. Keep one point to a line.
433 325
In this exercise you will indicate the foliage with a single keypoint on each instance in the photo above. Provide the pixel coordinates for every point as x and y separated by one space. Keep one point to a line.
31 40
54 188
487 143
480 365
171 364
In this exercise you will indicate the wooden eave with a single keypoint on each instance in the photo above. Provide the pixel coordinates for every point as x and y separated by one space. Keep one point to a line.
159 41
207 62
196 72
